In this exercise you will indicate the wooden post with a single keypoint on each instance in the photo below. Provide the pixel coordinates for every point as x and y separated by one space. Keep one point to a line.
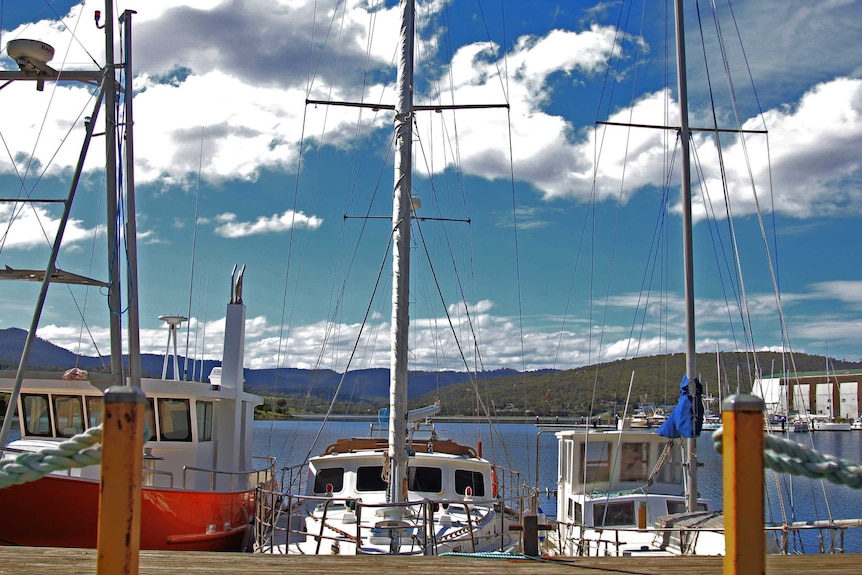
119 537
744 534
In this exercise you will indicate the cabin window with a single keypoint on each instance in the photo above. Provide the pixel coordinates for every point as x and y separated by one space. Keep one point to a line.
681 507
564 460
595 461
68 415
333 476
204 414
575 511
671 470
174 420
619 513
95 411
370 478
427 479
150 420
472 479
634 462
36 418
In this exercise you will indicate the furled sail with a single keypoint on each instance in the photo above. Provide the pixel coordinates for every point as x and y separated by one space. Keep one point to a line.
686 419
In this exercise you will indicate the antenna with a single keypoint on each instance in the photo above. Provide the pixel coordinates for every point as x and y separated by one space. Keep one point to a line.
174 322
32 57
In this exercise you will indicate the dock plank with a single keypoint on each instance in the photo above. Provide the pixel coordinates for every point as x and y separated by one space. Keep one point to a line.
57 561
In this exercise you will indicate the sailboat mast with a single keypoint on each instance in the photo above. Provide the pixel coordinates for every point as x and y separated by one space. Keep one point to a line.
688 257
131 225
114 298
401 208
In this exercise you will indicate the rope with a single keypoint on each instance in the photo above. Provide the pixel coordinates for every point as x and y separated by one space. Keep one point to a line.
74 452
660 462
785 456
487 555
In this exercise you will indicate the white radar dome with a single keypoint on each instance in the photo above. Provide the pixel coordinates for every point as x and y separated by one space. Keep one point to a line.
30 49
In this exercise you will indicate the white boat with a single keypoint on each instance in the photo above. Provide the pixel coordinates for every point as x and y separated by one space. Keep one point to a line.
402 489
453 501
619 489
630 492
823 423
711 422
800 424
616 486
199 480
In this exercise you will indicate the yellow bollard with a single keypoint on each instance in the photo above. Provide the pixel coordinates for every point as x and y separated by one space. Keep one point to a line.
744 534
120 498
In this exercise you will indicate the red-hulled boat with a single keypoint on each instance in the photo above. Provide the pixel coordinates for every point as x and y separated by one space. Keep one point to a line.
199 478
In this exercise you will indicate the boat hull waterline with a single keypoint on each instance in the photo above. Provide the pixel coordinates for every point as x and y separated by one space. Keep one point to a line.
171 519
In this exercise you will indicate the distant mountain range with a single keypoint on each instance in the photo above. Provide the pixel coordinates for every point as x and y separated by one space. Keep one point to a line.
505 391
369 384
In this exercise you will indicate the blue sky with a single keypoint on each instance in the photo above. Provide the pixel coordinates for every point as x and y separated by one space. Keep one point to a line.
220 121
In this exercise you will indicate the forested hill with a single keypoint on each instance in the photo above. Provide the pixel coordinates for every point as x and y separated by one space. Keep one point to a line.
655 379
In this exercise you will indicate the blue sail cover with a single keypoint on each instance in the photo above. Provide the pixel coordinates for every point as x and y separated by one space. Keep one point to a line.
686 419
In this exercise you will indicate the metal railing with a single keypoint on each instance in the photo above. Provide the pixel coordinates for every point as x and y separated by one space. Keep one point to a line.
281 520
610 540
249 478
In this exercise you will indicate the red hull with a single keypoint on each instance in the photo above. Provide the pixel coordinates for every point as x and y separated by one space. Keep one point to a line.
63 512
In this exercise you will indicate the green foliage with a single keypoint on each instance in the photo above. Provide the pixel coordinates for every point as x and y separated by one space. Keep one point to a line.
604 389
285 406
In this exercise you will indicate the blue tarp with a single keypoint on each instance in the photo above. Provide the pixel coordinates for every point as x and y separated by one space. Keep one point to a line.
686 419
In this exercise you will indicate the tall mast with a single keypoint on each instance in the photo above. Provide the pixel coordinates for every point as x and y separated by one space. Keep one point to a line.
131 226
114 299
688 258
401 208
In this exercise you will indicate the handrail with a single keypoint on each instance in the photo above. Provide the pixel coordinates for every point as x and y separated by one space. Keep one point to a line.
267 474
281 517
837 527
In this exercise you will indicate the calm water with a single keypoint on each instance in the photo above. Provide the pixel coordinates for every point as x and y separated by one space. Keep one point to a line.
515 446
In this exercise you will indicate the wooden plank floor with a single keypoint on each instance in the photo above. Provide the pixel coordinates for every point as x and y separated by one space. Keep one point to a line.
54 561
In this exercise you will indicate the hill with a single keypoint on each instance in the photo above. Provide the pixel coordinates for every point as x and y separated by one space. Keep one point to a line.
368 385
655 379
504 392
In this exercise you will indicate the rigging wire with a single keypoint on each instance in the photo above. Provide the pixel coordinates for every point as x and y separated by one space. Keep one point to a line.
194 251
23 190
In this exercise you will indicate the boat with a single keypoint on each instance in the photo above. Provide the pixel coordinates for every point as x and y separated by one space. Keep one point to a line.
800 424
402 489
642 485
621 492
826 423
199 479
626 491
711 422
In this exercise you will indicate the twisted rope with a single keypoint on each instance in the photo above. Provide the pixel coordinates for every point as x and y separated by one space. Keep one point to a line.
77 451
787 456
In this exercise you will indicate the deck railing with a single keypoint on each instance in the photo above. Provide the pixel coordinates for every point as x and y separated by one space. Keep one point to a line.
280 521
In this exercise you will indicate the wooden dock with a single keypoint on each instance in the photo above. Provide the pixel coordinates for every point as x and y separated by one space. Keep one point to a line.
55 561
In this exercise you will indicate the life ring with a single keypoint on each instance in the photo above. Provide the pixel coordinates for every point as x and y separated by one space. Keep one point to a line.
495 488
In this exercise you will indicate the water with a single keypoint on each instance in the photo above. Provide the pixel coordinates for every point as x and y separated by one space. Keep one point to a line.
515 446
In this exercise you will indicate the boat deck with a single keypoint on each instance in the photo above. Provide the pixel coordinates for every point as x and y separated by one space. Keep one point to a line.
56 561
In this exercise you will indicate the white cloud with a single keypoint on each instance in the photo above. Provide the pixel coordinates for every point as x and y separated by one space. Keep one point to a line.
29 226
230 228
221 90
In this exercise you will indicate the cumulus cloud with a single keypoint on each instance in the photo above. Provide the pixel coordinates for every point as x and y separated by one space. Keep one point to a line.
231 228
221 89
30 226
